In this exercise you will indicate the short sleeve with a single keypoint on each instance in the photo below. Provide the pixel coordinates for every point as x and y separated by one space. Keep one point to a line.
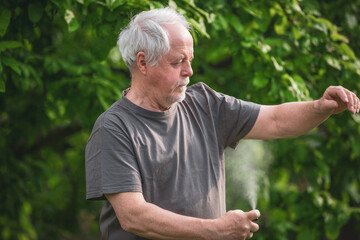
238 118
111 166
233 118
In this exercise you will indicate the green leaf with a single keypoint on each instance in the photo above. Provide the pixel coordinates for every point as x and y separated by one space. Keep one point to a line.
200 26
281 26
253 11
348 51
260 81
333 224
295 5
70 18
154 5
9 44
112 4
12 63
5 16
324 24
296 86
277 66
35 11
220 22
333 62
335 36
235 22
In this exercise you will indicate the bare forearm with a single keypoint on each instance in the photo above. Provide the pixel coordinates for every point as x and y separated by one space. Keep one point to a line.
155 223
148 220
287 120
298 118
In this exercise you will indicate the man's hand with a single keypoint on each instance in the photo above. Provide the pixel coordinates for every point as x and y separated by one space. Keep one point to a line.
338 99
237 225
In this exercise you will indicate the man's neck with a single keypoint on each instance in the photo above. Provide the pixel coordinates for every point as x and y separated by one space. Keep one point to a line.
144 98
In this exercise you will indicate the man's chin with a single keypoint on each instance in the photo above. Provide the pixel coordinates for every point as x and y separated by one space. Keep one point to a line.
181 98
177 98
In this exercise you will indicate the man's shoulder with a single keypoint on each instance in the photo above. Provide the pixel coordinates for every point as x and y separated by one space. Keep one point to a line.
202 92
113 116
199 89
199 86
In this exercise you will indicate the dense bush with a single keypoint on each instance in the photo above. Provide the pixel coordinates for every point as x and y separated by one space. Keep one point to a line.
60 68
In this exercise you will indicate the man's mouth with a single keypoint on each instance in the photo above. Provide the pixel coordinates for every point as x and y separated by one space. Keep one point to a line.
183 83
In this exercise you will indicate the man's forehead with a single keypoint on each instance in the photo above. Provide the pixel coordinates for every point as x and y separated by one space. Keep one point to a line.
178 32
178 52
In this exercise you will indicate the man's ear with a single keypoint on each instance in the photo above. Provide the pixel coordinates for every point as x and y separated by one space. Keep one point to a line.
141 62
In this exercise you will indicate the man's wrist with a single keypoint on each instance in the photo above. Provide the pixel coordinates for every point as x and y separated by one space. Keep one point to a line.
319 109
209 227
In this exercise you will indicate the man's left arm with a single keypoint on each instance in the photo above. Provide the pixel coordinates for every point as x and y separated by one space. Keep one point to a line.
297 118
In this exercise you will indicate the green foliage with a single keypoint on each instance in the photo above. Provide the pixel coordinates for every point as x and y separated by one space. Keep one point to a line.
60 68
276 51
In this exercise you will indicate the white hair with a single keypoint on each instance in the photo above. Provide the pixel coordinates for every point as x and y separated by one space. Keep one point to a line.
146 33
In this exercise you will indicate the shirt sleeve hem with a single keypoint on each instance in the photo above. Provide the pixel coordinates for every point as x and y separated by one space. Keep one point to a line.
251 123
101 195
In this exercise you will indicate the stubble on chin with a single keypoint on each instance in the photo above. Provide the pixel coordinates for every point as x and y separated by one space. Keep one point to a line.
176 97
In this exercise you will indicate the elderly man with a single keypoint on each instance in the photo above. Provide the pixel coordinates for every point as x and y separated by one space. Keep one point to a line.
156 156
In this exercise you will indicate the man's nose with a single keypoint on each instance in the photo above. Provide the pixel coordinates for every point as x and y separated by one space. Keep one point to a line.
187 69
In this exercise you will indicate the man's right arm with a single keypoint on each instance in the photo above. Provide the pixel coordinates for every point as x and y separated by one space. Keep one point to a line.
150 221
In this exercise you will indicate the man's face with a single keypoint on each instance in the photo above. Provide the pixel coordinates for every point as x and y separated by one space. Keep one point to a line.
170 77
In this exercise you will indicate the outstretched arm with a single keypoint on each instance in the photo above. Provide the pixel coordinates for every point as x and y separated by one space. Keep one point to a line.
148 220
297 118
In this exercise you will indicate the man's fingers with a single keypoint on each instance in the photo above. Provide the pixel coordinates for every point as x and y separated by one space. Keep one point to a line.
344 97
254 227
253 214
353 104
342 93
356 103
350 103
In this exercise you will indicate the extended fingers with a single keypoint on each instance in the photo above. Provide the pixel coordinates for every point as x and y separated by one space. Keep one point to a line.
254 227
347 97
353 103
356 103
337 92
253 216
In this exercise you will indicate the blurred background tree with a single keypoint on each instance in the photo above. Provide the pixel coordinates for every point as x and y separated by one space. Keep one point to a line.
60 68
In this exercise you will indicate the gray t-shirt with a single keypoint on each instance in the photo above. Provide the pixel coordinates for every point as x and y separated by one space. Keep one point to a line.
175 158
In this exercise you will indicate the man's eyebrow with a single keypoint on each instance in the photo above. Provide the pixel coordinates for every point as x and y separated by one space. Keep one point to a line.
179 58
182 57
